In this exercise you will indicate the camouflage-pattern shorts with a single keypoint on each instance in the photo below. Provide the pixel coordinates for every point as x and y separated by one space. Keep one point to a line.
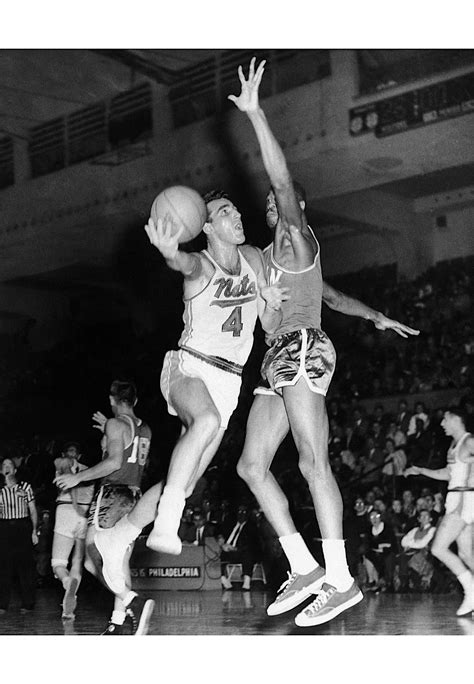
111 503
307 353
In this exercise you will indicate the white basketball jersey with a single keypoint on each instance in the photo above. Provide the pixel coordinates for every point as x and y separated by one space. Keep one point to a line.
458 470
219 321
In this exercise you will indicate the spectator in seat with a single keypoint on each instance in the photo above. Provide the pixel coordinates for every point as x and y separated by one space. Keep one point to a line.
416 567
202 529
395 464
239 544
382 550
398 519
419 414
403 416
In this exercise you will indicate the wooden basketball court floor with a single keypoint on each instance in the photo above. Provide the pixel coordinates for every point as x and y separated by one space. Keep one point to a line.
241 613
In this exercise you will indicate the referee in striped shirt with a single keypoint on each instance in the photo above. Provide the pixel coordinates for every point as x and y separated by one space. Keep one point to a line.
18 535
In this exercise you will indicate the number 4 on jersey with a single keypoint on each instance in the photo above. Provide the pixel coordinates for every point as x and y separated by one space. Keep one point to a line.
234 323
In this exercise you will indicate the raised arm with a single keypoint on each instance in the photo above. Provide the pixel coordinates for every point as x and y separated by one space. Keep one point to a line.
273 158
165 237
338 301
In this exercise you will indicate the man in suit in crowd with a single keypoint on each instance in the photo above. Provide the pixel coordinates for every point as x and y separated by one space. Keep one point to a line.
239 544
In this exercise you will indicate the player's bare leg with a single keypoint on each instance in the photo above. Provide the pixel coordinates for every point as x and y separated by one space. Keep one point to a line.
309 425
196 410
451 529
259 450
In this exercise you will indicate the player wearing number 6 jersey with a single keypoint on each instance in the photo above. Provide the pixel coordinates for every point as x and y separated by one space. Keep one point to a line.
125 448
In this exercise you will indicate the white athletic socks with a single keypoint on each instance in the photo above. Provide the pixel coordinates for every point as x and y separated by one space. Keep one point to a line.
129 598
126 531
337 572
170 509
118 617
298 554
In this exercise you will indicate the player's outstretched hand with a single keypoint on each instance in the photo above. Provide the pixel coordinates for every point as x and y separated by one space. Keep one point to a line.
384 323
67 481
274 295
164 236
247 101
412 470
99 421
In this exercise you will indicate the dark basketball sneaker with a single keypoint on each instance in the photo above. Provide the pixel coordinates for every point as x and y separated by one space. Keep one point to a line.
140 611
113 629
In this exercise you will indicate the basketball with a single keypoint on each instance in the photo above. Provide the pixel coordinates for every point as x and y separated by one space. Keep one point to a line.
186 208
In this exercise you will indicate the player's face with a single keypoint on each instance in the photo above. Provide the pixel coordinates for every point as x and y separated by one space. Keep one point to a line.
225 221
271 210
72 452
448 423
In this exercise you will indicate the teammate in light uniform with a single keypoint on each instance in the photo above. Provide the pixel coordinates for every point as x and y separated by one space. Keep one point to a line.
224 290
457 523
70 527
298 368
125 444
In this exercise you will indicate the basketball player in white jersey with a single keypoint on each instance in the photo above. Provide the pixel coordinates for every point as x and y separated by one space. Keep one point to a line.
457 523
297 370
224 291
70 527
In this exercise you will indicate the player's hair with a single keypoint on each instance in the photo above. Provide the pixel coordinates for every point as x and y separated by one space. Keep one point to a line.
124 392
67 445
214 195
458 411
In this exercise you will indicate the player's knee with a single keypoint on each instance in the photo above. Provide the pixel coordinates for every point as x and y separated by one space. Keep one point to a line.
314 468
250 471
207 424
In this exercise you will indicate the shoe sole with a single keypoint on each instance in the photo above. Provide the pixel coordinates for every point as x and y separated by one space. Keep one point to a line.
289 604
145 618
302 621
70 600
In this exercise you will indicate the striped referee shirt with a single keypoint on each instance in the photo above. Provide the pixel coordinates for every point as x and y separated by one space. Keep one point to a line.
14 501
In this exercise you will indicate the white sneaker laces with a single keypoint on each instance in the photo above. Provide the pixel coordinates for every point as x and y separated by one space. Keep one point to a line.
321 599
288 582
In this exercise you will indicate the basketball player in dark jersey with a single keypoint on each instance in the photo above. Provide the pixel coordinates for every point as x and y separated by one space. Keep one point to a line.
126 444
298 368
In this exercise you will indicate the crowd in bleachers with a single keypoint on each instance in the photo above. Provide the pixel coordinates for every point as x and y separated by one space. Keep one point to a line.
377 429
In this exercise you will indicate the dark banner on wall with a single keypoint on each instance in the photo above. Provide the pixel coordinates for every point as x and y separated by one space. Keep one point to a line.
427 105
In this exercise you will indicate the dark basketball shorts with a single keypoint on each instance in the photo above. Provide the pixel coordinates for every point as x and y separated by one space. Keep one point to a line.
306 353
111 503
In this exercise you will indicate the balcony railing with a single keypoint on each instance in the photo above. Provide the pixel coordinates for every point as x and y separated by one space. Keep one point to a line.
202 89
104 127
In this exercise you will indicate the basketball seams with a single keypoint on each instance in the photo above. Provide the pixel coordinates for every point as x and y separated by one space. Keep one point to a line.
185 206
